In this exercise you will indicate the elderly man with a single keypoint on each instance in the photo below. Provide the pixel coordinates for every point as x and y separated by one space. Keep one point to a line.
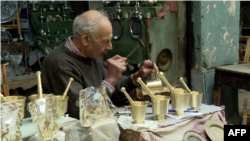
80 58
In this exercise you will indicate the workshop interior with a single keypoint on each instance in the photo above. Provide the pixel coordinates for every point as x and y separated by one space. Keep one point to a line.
201 49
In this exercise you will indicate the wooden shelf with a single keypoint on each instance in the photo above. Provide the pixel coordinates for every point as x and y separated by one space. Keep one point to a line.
244 38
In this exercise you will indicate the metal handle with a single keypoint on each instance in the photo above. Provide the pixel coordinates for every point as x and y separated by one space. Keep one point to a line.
184 84
132 51
39 84
166 82
127 95
67 89
146 88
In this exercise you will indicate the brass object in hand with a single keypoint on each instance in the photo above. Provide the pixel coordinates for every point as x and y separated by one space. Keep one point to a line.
154 84
160 107
19 99
146 88
61 106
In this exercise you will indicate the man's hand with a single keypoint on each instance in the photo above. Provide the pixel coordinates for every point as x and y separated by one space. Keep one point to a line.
116 66
145 71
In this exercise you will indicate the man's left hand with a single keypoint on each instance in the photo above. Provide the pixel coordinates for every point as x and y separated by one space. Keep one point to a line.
146 70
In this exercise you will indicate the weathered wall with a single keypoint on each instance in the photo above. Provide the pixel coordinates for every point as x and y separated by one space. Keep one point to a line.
163 34
219 32
216 41
182 42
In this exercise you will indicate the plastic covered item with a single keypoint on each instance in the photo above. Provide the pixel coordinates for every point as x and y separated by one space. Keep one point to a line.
10 118
44 116
59 136
94 104
102 130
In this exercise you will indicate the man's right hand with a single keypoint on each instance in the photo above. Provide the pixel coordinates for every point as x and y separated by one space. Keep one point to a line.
116 66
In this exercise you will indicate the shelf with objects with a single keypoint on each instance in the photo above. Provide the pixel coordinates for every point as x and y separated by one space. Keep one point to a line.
130 23
52 23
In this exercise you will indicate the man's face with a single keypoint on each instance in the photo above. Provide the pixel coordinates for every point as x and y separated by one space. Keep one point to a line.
102 43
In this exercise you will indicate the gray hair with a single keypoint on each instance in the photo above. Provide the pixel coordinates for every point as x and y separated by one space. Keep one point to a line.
80 25
88 25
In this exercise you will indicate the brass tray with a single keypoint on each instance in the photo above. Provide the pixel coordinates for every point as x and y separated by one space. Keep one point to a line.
193 136
215 130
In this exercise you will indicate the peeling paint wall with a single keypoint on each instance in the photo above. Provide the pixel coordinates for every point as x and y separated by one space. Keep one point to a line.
219 33
216 41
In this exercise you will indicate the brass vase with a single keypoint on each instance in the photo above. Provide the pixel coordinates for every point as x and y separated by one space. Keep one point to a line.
180 101
160 106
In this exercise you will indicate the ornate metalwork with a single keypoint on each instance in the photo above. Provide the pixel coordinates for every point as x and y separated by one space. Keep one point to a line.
8 10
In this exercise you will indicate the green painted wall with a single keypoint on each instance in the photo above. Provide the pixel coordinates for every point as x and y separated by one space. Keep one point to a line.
164 34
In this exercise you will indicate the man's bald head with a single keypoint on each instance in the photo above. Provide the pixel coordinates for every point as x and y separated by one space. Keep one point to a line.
88 21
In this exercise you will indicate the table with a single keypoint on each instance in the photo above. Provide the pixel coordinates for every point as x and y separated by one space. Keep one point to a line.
236 76
173 129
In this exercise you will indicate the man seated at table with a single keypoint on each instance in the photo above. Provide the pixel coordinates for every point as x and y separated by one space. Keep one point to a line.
80 58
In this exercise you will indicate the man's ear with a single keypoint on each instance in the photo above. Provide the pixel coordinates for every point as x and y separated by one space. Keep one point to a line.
85 38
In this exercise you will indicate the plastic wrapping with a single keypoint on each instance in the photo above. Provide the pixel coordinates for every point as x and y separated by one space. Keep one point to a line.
94 104
59 136
15 66
10 118
44 116
102 130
